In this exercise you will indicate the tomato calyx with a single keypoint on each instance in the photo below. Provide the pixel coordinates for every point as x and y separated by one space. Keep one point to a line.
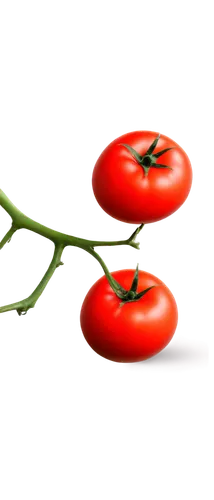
130 295
149 159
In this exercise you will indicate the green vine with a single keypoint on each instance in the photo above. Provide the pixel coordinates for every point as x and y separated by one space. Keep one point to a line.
61 240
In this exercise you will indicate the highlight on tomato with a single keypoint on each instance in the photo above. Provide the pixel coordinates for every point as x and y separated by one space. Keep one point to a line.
142 177
133 323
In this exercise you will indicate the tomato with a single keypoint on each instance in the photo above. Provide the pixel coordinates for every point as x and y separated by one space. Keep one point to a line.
142 177
132 331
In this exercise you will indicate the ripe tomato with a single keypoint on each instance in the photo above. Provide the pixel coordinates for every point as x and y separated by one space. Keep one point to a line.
142 177
133 331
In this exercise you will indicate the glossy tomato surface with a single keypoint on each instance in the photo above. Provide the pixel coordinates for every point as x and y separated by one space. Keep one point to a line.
134 331
124 191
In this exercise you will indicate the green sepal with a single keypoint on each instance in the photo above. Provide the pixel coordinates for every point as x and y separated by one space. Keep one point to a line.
137 297
153 146
135 280
148 160
133 152
160 153
159 165
141 294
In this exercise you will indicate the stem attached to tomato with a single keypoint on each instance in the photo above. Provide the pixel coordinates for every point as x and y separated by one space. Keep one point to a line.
149 159
124 295
60 240
118 289
21 221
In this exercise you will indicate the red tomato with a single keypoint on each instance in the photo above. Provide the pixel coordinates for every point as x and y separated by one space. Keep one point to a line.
134 331
143 184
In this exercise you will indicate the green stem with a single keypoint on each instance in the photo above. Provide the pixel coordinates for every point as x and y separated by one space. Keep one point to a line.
113 283
8 236
23 305
60 240
21 221
136 233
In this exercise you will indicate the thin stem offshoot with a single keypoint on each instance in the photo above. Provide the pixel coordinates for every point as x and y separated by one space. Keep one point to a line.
60 240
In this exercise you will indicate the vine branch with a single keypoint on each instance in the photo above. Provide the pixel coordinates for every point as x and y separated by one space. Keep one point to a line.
60 240
23 305
8 236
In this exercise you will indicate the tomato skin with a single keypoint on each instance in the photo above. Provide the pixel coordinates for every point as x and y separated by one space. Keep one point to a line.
134 331
124 192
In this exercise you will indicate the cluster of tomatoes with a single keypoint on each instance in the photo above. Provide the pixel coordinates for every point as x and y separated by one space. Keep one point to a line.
141 177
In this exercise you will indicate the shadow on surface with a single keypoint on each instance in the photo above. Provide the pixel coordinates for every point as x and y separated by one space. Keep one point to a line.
181 354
